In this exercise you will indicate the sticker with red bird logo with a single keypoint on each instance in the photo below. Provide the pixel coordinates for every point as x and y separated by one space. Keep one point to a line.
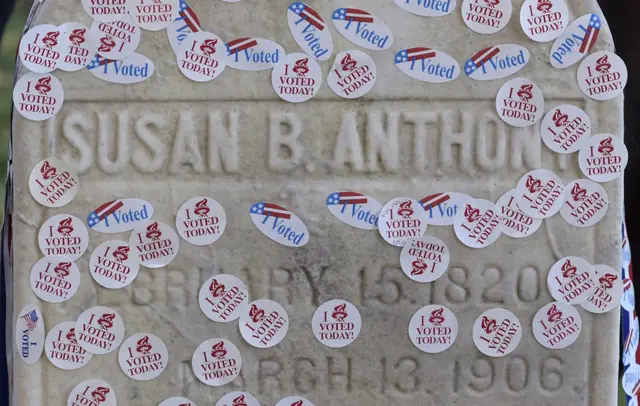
602 75
565 129
352 75
515 222
81 47
497 332
486 16
478 224
116 39
223 298
201 221
216 362
113 265
155 244
237 399
586 203
177 401
62 348
143 356
63 234
540 193
99 330
105 10
55 279
520 103
608 292
92 392
571 280
294 401
264 323
400 219
42 47
433 329
53 183
557 325
603 158
424 259
38 96
296 78
202 56
544 20
336 323
153 15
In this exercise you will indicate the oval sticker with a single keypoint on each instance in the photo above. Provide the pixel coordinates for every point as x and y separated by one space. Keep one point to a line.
497 332
186 23
153 15
41 49
427 8
557 325
544 20
201 56
586 203
155 244
310 31
424 259
62 348
113 265
442 208
81 46
478 224
120 215
576 41
30 334
53 183
336 323
631 380
297 78
133 69
216 362
362 28
63 234
223 298
428 65
565 129
105 10
177 401
117 39
603 158
237 399
540 193
279 224
628 295
520 102
253 54
143 356
433 329
486 16
607 294
630 345
400 220
602 75
571 280
92 392
352 75
201 221
515 222
497 62
38 96
54 279
264 323
355 209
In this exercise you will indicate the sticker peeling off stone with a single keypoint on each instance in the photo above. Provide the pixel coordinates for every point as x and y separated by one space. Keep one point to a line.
279 224
609 289
238 399
352 75
55 279
362 28
557 325
576 41
143 356
202 56
62 348
216 362
297 78
400 219
428 65
105 11
355 209
310 31
571 280
497 332
433 329
116 39
38 96
479 224
42 48
336 323
30 334
120 215
81 46
602 75
544 20
201 221
133 69
565 129
586 203
153 15
603 158
155 244
53 183
515 222
186 23
428 8
253 54
99 330
441 208
264 323
92 392
223 298
540 193
497 62
486 16
63 234
520 102
113 265
424 259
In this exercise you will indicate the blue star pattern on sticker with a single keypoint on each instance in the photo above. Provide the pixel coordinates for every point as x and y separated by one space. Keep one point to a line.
93 219
95 62
183 5
595 22
333 198
340 14
296 7
471 67
401 56
257 208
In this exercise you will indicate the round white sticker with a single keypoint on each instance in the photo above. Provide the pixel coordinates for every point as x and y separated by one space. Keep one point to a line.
105 10
116 39
557 325
571 280
112 264
424 259
42 47
63 234
53 183
202 56
177 401
55 279
608 290
520 102
565 129
264 323
602 75
153 15
631 380
294 401
155 244
400 219
497 332
296 78
544 20
143 356
223 298
433 329
201 221
486 16
540 193
603 158
478 224
237 399
515 222
92 392
352 75
81 47
99 330
586 203
38 96
30 334
336 323
62 348
216 362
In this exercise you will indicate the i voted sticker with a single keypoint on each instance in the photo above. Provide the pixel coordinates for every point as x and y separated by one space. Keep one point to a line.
355 209
116 39
279 224
153 15
30 334
297 78
92 392
497 62
426 64
428 8
294 401
608 291
433 329
515 222
586 203
478 224
424 259
113 265
105 11
120 215
441 208
38 96
216 362
201 221
336 323
400 219
520 103
602 75
571 280
497 332
362 28
352 75
81 46
557 325
133 69
53 183
186 23
41 49
544 20
143 356
99 330
576 41
155 244
223 298
486 16
631 380
253 54
264 323
177 401
540 193
238 399
628 295
630 345
63 234
202 56
565 129
603 158
55 279
310 31
62 348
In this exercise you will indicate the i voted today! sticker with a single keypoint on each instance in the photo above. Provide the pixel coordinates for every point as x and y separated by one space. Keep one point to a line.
92 392
497 62
116 39
253 54
310 31
565 129
441 208
362 28
155 244
62 349
433 329
544 20
497 332
279 224
576 41
186 23
177 401
609 289
352 75
486 16
143 356
264 323
557 325
201 221
132 69
99 330
602 75
30 334
81 46
355 209
520 102
202 56
540 193
515 222
105 10
297 78
586 203
153 15
427 8
424 259
38 96
223 298
571 280
479 224
426 64
120 215
237 399
53 183
216 362
41 49
54 279
63 234
113 265
603 158
401 219
336 323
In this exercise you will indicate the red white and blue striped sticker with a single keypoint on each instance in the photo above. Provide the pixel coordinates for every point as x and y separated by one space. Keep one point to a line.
279 224
427 8
310 31
119 215
355 209
253 54
497 62
362 28
426 64
186 23
576 41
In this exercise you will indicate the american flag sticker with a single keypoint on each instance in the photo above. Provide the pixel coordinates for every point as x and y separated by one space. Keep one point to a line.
133 69
362 28
253 54
442 208
279 224
186 23
355 209
497 62
310 31
576 41
30 334
426 64
121 215
428 8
